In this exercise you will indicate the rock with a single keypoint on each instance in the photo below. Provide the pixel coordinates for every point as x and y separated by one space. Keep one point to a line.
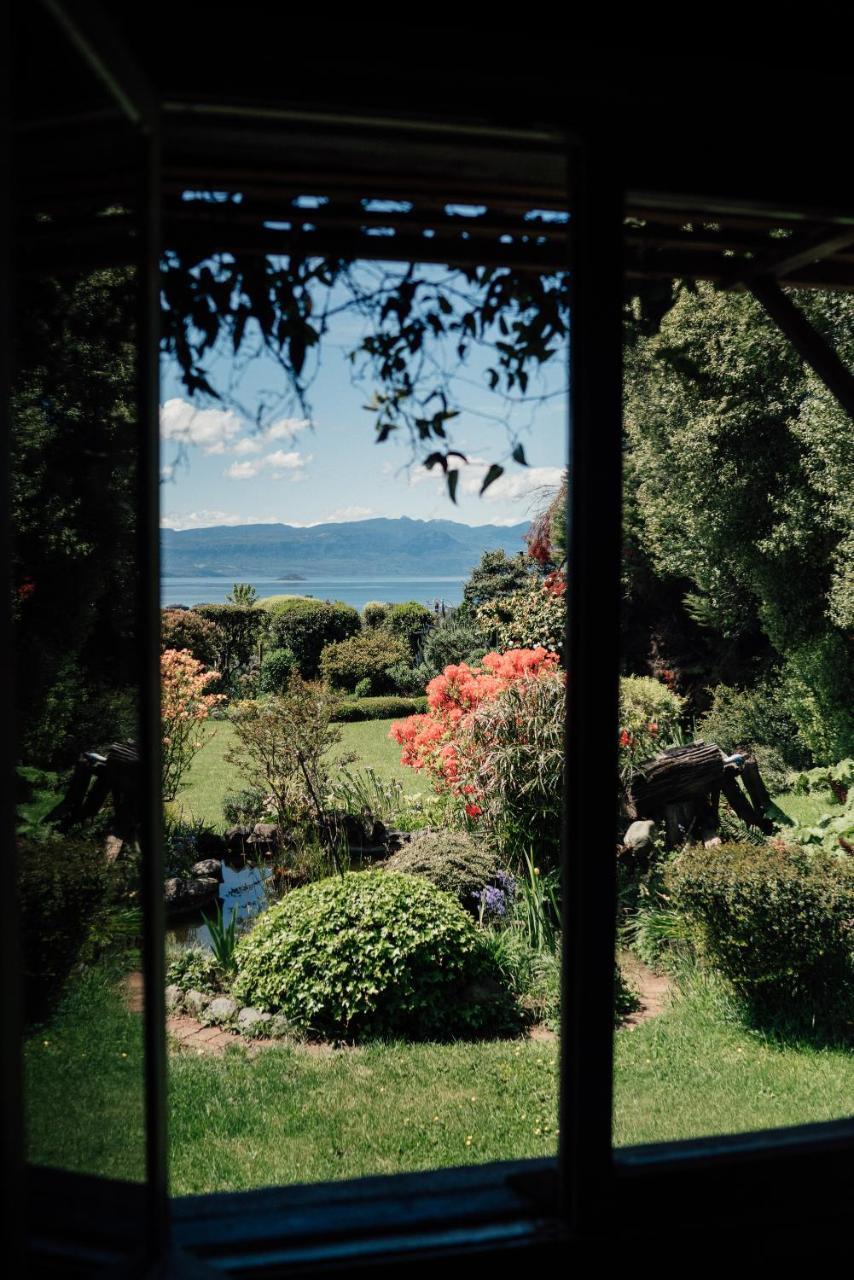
280 1028
266 832
189 893
235 836
174 996
712 842
210 845
222 1009
252 1022
195 1002
207 869
640 836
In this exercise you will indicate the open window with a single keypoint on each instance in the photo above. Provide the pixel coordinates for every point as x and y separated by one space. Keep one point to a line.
103 162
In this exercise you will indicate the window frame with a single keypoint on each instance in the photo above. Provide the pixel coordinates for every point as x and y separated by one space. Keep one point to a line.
795 1178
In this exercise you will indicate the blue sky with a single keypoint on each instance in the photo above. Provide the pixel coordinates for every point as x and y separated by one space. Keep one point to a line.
219 466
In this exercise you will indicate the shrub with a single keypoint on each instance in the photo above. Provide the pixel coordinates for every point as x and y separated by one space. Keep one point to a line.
63 886
276 670
184 707
370 954
758 719
277 604
451 860
194 969
306 627
243 629
246 807
281 747
186 629
410 622
649 717
455 638
408 680
366 656
776 921
378 709
532 616
374 614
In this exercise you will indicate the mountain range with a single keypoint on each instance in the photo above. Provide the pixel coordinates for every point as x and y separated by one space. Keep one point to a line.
392 548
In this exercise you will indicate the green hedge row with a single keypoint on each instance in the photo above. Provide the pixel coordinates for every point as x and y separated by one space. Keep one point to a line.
388 708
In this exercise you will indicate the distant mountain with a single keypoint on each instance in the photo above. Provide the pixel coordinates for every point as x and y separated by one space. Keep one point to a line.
390 548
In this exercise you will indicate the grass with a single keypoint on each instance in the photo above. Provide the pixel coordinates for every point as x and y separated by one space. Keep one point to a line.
210 776
295 1115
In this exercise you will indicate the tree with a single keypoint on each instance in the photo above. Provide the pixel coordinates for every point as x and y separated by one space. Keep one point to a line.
242 593
742 462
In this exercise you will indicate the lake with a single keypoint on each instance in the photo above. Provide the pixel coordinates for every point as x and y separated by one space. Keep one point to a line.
353 591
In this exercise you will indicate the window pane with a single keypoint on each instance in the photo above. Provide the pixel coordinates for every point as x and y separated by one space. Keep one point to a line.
389 867
736 733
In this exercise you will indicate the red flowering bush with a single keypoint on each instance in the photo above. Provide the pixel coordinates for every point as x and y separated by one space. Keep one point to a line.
185 706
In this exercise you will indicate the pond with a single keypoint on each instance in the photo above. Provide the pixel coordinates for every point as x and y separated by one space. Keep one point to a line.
241 892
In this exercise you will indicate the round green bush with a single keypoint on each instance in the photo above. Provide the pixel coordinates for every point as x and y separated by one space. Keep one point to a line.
186 629
451 860
410 622
367 656
374 614
776 921
306 627
371 954
276 670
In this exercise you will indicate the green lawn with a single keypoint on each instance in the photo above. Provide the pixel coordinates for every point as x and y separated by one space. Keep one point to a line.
298 1115
210 776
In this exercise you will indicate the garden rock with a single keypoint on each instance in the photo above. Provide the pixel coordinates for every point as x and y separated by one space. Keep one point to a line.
195 1002
189 893
280 1028
174 995
640 835
208 868
235 838
210 845
251 1022
222 1009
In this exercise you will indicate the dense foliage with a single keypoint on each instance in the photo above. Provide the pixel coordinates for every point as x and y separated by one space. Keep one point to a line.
451 860
186 629
380 708
776 921
306 627
410 622
242 628
276 669
370 954
185 706
370 656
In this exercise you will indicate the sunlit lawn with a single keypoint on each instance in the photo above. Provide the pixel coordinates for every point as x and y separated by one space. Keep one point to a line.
210 776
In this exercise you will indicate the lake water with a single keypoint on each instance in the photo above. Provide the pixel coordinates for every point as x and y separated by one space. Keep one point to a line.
353 591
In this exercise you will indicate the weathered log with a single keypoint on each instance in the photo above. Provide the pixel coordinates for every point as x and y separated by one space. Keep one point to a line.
681 773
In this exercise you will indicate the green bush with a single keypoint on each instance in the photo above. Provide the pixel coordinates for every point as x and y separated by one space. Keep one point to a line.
371 954
776 921
276 670
187 629
374 614
378 709
410 622
453 861
194 969
276 604
306 627
63 886
455 638
243 628
759 719
366 656
410 681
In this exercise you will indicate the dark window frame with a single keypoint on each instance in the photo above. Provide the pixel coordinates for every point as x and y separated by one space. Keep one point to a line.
759 1184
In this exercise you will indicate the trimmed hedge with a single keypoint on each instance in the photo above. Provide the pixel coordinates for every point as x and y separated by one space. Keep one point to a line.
366 656
276 670
390 708
453 861
306 627
371 954
777 921
410 622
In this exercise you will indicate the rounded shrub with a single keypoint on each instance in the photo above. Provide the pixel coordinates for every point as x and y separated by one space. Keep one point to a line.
410 622
371 954
370 655
306 627
276 670
374 614
776 921
451 860
186 629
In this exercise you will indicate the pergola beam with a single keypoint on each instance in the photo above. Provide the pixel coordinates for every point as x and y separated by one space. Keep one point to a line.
809 344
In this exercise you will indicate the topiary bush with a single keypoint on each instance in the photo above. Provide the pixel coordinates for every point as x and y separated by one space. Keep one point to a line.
276 670
370 954
374 614
777 921
306 627
378 708
370 655
451 860
410 622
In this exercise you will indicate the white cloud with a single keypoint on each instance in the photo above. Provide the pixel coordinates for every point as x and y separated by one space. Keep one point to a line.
210 429
205 519
516 483
345 514
285 428
248 444
278 464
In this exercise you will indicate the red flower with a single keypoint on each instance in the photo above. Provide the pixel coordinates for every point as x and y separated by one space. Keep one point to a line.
26 589
473 810
653 726
625 738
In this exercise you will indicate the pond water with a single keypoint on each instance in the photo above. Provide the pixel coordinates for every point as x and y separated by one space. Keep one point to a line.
242 892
